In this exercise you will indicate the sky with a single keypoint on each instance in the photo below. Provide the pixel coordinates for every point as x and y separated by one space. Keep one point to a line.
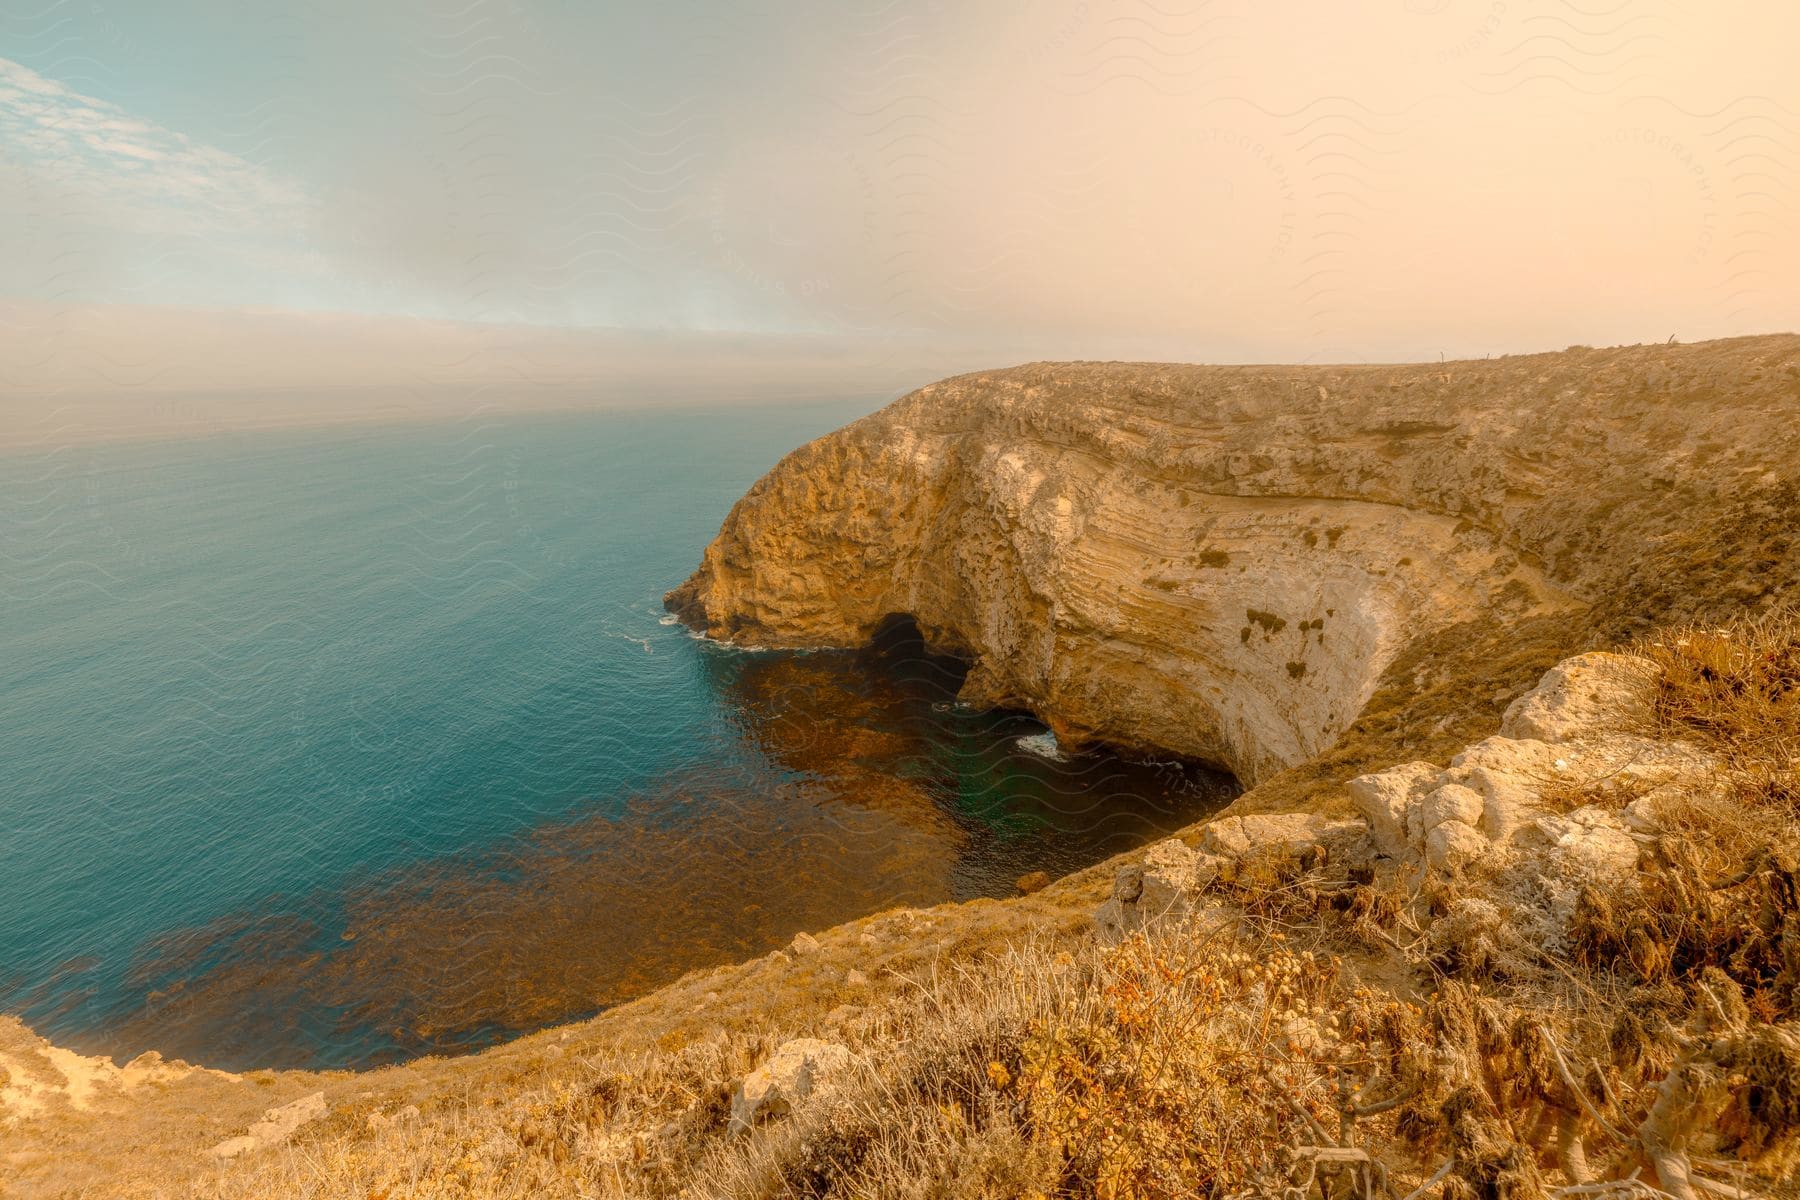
931 183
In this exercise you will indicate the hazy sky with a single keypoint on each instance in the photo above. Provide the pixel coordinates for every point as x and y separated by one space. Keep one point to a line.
1236 180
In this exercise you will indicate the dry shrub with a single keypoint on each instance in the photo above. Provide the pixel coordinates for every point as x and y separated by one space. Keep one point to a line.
1181 1062
1680 920
1761 1122
1343 902
1207 1061
1488 1164
1178 1063
1494 1048
1735 1091
1739 687
921 1117
1192 1073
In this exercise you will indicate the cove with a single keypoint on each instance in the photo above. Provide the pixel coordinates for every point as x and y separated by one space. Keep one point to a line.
332 748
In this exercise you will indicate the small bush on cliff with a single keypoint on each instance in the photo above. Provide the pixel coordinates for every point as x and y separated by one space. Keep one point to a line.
1739 687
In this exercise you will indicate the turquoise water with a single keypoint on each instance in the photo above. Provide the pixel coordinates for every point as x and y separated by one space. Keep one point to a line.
327 748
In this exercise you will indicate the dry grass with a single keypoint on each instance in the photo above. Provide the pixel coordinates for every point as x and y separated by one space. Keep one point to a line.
1738 686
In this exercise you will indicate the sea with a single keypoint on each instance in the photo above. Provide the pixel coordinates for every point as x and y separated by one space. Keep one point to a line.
337 747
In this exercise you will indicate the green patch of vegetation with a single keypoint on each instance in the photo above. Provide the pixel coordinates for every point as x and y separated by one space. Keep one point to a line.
1271 624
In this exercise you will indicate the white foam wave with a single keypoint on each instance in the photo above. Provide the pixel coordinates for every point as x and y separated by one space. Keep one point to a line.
1041 744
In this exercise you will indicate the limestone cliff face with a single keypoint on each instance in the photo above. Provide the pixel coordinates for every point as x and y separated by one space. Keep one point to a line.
1222 561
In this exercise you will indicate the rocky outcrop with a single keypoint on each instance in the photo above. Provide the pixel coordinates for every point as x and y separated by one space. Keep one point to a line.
1584 731
1161 885
797 1072
1239 837
39 1080
1224 561
1564 795
277 1125
1165 881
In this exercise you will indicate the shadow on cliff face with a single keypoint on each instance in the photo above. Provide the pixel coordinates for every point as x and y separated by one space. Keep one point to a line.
864 786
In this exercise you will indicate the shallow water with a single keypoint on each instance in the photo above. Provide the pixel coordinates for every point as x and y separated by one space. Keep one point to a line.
331 748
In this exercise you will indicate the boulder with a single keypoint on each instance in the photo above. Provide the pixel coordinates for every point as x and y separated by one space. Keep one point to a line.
1510 775
1384 798
1235 837
1452 802
804 945
1589 841
1586 696
277 1125
1034 881
1452 846
798 1071
1160 885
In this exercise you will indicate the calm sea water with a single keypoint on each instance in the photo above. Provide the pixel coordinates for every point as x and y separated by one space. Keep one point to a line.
335 747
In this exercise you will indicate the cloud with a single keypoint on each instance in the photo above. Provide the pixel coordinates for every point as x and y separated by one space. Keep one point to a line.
1070 178
135 175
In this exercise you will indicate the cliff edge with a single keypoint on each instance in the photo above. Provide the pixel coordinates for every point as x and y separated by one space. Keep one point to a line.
1229 562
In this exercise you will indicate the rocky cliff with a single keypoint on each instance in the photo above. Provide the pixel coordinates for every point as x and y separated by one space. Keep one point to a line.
1229 562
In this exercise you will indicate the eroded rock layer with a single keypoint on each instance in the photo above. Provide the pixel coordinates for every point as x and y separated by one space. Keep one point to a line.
1223 561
